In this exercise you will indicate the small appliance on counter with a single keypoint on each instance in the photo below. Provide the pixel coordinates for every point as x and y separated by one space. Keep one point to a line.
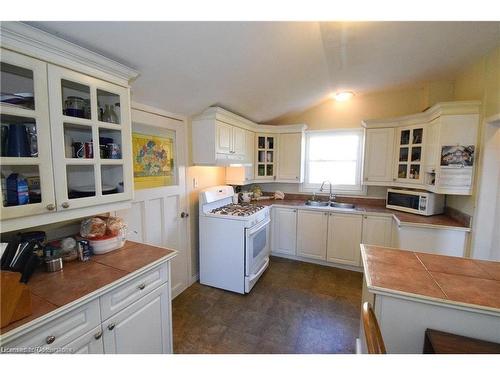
415 201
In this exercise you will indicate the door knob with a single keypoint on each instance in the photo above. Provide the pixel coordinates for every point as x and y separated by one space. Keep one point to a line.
184 214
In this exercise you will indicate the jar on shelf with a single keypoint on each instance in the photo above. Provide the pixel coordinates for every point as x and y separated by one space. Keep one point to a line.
109 114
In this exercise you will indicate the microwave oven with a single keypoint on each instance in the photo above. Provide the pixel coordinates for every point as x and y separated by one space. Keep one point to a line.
415 202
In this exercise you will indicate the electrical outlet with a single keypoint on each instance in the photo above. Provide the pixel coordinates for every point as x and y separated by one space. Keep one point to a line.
195 183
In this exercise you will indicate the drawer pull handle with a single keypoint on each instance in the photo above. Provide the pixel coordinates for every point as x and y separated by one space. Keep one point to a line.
111 326
98 335
142 286
50 339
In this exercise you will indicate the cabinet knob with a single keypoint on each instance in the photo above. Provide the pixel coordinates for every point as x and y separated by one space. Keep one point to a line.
111 326
65 205
98 335
51 207
184 214
326 213
50 339
393 179
142 286
294 210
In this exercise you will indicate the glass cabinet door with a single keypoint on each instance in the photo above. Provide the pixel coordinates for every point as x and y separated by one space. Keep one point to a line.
27 184
410 154
91 139
266 154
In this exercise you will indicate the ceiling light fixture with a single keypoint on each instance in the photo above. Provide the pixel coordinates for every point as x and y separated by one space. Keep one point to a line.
343 96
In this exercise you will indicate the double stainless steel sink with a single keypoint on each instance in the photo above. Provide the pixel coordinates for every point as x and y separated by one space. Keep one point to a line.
342 206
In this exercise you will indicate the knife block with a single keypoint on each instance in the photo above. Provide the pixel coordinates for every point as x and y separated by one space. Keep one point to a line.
15 298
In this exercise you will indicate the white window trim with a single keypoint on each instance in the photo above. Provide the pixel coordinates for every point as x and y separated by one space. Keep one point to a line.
354 190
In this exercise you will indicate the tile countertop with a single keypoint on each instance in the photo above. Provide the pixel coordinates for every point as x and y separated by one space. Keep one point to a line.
438 221
50 291
451 280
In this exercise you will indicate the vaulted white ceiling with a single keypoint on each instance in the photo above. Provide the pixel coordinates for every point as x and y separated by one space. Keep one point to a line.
263 70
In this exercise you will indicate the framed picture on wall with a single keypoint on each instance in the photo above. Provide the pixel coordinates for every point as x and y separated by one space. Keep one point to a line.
153 158
457 156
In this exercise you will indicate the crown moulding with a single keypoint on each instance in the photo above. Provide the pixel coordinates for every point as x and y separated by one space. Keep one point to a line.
439 109
30 41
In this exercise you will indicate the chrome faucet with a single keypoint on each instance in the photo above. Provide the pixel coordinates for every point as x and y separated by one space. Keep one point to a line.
331 197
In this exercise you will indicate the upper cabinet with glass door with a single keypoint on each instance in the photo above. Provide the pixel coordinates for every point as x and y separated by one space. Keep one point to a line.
91 139
265 166
26 164
409 154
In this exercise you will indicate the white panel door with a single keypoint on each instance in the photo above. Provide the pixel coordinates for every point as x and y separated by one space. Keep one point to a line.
223 138
239 141
141 328
379 155
159 216
377 230
312 229
284 233
290 157
344 237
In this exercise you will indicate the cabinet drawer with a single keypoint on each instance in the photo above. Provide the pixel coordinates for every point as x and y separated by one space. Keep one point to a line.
61 331
131 291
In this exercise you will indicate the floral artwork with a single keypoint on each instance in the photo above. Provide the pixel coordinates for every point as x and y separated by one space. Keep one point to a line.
153 160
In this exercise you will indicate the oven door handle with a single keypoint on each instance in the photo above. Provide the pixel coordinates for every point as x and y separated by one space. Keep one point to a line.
257 274
254 230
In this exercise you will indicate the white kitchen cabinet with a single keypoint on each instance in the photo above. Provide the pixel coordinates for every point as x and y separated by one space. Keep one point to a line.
94 178
435 150
243 175
379 156
266 156
344 237
410 154
62 330
284 230
140 320
239 141
312 227
291 158
142 327
442 241
377 230
89 343
20 73
62 115
223 138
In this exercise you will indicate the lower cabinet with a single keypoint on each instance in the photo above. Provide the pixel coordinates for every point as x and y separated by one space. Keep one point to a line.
140 328
312 227
377 230
284 233
89 343
143 325
344 237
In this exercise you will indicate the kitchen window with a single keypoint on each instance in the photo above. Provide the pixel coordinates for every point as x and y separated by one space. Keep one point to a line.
336 156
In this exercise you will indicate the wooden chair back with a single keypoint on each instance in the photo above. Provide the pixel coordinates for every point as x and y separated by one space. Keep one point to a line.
373 337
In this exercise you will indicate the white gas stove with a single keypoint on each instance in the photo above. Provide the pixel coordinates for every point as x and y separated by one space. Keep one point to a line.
234 240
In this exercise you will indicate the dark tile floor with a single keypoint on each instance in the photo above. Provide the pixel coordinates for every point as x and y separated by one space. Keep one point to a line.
295 307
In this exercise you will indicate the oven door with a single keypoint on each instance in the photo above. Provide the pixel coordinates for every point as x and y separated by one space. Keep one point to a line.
257 248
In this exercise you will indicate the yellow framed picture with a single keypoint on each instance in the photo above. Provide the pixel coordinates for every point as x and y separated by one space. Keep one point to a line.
153 161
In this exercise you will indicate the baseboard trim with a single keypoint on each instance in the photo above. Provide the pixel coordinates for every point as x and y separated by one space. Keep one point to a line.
320 262
194 279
